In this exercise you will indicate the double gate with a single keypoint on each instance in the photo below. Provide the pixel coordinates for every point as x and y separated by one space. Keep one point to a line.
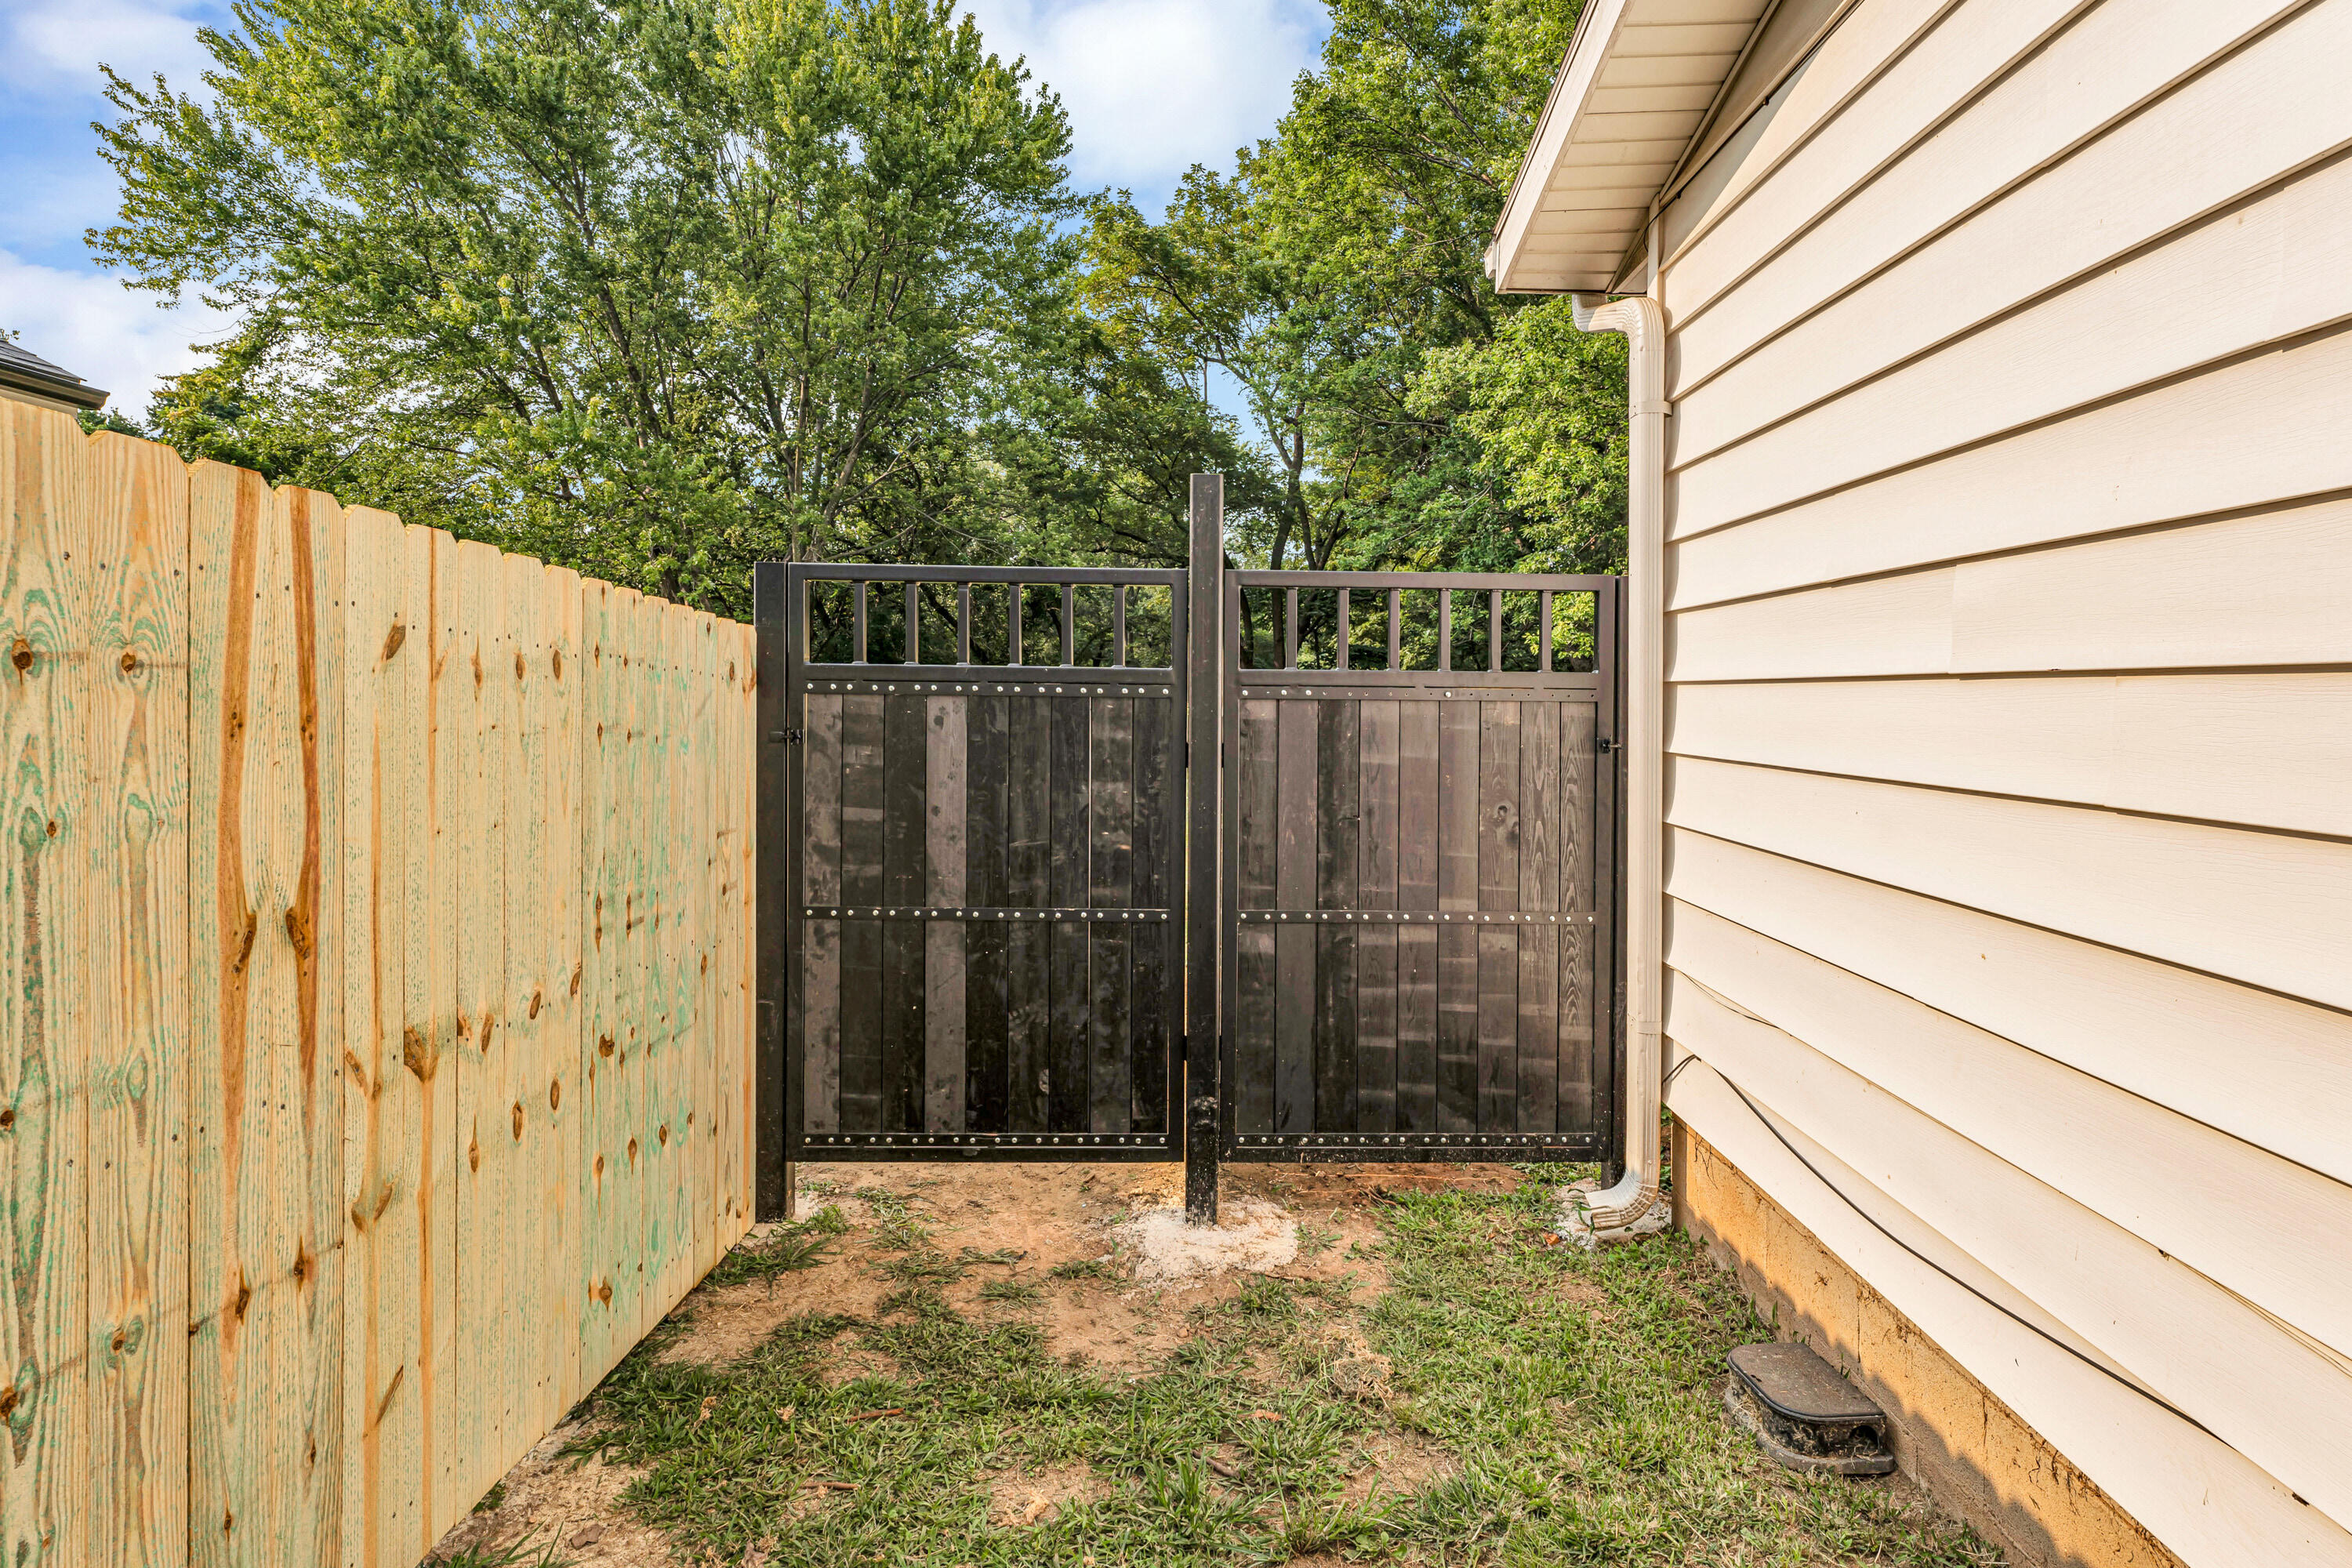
1026 834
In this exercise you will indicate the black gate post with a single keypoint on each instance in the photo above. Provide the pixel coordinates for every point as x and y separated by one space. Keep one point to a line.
1203 1045
773 1189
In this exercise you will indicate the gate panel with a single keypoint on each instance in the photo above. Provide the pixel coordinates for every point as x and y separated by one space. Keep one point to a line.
1418 933
978 866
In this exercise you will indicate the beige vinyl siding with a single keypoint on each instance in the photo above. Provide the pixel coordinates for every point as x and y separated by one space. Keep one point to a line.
2200 1496
2009 713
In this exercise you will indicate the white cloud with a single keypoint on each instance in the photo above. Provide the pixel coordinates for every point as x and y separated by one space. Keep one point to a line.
54 46
102 332
1155 86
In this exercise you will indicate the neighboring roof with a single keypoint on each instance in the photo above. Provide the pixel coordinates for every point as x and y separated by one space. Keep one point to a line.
1646 85
28 372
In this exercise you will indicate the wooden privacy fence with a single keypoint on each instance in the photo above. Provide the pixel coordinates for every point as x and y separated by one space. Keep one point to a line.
375 971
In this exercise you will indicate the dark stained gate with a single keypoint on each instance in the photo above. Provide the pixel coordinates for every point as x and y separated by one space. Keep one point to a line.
1419 838
981 877
981 933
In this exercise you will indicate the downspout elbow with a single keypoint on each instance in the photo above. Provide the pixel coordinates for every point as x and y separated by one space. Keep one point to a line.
1644 324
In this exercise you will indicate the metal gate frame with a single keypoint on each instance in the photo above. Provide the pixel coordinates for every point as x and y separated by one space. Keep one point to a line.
1394 678
1206 677
787 678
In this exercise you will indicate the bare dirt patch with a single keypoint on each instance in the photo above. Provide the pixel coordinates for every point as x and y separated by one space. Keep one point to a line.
551 1499
1399 1465
1021 1499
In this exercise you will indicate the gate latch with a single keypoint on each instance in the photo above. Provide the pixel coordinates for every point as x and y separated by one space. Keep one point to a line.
1604 745
784 737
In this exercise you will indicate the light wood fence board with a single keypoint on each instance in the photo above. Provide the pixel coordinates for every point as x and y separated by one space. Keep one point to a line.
562 1018
43 1518
132 695
383 1100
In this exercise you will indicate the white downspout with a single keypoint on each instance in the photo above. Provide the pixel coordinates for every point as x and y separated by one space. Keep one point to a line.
1639 318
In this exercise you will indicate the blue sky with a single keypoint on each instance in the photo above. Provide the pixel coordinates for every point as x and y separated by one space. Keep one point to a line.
1152 85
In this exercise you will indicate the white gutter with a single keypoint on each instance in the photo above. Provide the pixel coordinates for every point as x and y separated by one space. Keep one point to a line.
1639 318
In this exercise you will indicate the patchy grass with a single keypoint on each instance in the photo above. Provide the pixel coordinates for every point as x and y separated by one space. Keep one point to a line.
1504 1402
787 1247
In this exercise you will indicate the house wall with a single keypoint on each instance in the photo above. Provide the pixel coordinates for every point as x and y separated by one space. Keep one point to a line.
2010 717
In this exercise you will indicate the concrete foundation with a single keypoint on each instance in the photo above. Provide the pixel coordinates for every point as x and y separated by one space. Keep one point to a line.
1964 1445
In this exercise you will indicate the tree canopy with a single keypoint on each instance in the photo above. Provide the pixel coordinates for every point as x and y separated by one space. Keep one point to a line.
661 288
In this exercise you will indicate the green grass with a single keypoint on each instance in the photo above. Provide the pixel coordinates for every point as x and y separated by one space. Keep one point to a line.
1572 1397
786 1247
523 1553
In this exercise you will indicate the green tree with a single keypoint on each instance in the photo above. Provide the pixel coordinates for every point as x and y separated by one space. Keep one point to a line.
1418 419
656 288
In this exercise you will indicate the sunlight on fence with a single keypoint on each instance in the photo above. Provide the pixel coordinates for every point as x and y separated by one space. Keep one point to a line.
375 974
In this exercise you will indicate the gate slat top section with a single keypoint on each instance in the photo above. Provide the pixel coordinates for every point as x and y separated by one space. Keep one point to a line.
984 956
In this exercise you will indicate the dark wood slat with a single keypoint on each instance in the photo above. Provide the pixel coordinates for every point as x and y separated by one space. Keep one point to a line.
1539 1029
905 800
1294 873
1579 1015
1376 955
1457 806
1499 1029
1458 1029
1068 791
903 1037
1581 1001
986 1088
1028 836
861 1026
1029 996
1457 889
820 997
1539 830
861 940
1337 873
1258 768
1108 1082
1579 819
821 1025
861 800
1067 1044
905 880
1539 815
1376 1029
1253 1030
1498 889
1416 1029
1417 804
1498 806
821 803
1110 803
945 1058
1418 776
1376 792
1110 885
1155 954
1259 774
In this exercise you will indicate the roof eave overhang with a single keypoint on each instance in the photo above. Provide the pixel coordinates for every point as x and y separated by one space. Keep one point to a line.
74 393
1644 82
